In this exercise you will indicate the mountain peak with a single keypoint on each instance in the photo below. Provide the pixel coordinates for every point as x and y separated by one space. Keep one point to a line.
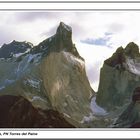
63 27
21 44
64 31
61 41
132 50
117 58
64 39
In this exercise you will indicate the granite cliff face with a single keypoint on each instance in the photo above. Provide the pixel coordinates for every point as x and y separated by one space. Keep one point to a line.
119 76
49 77
131 115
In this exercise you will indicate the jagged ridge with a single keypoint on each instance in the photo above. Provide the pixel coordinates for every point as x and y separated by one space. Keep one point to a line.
14 49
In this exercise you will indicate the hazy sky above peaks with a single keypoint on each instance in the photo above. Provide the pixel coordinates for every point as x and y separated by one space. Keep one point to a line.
96 34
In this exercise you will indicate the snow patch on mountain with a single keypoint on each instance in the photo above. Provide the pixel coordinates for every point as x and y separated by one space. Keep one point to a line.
72 59
20 54
35 83
66 115
35 98
87 119
97 110
28 59
35 57
133 66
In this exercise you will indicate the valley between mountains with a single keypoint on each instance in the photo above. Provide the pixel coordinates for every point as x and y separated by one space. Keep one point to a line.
46 86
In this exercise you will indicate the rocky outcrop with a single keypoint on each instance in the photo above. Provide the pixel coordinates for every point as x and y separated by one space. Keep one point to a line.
119 76
117 59
131 116
51 77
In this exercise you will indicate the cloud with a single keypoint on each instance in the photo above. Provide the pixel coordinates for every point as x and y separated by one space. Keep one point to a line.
48 32
33 16
9 33
102 41
94 56
99 41
116 27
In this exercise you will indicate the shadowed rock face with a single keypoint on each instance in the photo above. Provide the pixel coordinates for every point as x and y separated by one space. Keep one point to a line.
51 77
119 76
136 125
136 95
131 116
118 58
17 112
6 102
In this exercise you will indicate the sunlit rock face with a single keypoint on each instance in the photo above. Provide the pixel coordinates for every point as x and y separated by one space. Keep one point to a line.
50 76
119 76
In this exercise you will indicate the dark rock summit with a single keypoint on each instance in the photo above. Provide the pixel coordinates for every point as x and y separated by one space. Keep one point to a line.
119 91
61 41
64 32
117 59
64 38
132 50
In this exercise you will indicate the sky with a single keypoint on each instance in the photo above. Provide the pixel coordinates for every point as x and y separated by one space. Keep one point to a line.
96 34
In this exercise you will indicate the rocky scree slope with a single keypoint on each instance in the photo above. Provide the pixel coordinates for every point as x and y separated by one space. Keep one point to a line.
49 77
